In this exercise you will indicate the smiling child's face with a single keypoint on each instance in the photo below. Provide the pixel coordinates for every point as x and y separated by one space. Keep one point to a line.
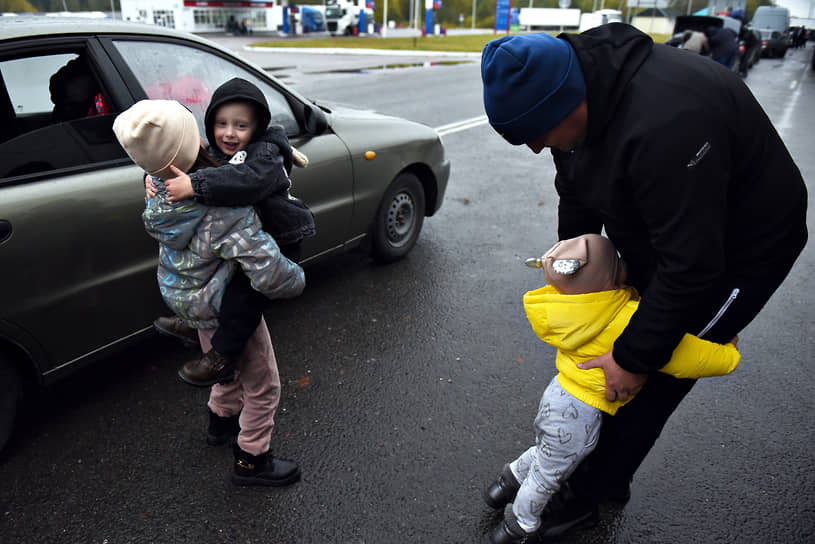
233 127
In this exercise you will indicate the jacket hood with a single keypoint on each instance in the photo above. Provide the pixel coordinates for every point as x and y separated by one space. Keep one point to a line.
609 55
237 90
570 321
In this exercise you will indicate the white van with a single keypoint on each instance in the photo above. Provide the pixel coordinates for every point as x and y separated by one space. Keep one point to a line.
771 18
773 23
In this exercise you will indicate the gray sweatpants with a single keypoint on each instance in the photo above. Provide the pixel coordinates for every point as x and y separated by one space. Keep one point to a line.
566 431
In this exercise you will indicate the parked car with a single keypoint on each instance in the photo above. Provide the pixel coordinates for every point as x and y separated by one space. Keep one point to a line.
79 272
774 43
749 57
703 23
773 23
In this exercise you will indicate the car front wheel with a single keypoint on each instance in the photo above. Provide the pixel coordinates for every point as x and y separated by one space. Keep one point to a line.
10 393
399 219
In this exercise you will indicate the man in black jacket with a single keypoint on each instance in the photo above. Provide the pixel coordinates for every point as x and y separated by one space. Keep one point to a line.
673 156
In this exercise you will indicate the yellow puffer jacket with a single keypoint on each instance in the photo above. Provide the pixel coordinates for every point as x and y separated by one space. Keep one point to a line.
583 327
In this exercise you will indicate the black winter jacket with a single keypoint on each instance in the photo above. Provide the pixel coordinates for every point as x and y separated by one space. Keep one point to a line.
257 177
687 175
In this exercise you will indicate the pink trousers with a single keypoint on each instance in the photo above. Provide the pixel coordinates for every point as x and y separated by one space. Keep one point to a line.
255 393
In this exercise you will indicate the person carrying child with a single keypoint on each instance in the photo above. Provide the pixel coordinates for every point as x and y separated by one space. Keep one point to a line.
255 163
200 249
581 312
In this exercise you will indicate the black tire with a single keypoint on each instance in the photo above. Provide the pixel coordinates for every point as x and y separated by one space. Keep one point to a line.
10 393
399 219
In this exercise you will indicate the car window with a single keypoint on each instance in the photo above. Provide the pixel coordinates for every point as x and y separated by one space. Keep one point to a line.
53 115
190 75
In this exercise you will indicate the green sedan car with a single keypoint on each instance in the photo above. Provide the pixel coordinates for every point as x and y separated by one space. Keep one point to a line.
79 272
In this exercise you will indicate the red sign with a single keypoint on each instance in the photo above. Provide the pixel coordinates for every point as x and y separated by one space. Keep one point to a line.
227 4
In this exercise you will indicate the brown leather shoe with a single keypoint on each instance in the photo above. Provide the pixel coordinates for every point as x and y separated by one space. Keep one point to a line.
210 369
174 326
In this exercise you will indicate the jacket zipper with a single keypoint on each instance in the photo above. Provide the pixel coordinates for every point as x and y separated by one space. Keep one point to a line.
721 312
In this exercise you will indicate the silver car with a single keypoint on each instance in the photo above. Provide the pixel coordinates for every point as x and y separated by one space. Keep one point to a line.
79 272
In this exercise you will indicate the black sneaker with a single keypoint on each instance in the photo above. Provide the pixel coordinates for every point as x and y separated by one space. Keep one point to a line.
567 510
176 327
263 469
222 430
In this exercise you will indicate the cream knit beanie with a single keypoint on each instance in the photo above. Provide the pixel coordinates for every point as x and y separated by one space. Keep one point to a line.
157 134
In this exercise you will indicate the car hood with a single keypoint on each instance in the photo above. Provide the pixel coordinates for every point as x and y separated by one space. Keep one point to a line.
364 127
338 109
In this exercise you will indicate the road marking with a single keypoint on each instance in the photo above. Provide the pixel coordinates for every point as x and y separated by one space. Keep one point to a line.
458 126
786 117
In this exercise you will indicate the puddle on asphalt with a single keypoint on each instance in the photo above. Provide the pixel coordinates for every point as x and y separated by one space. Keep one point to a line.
393 67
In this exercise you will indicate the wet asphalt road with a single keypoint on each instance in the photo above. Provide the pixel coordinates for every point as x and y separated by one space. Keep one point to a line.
407 386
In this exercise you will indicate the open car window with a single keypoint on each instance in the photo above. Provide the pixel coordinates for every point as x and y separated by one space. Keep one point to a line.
177 72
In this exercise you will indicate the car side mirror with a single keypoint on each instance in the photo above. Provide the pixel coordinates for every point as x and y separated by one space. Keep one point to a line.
314 120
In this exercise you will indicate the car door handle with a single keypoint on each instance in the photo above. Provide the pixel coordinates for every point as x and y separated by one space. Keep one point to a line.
5 230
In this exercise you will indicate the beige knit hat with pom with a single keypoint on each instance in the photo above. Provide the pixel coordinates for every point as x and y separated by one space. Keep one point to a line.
157 134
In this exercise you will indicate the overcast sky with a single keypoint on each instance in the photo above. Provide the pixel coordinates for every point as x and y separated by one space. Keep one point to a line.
799 8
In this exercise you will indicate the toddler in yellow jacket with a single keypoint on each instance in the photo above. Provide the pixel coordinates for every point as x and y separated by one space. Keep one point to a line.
581 312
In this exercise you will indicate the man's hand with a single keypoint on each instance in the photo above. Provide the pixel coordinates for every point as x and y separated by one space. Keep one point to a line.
179 187
620 383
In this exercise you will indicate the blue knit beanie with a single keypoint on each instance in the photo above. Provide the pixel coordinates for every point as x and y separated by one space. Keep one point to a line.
531 83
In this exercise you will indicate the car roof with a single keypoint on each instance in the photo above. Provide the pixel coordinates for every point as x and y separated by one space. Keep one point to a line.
26 26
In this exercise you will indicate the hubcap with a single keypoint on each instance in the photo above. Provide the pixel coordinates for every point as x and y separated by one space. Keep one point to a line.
400 218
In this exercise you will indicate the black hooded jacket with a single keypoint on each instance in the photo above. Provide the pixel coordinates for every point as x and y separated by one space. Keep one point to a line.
257 175
687 175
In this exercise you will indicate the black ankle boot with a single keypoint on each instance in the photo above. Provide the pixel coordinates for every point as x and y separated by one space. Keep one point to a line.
567 510
508 531
263 469
222 430
502 491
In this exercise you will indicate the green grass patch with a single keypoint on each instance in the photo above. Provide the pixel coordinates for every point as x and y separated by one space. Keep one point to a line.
468 43
456 44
